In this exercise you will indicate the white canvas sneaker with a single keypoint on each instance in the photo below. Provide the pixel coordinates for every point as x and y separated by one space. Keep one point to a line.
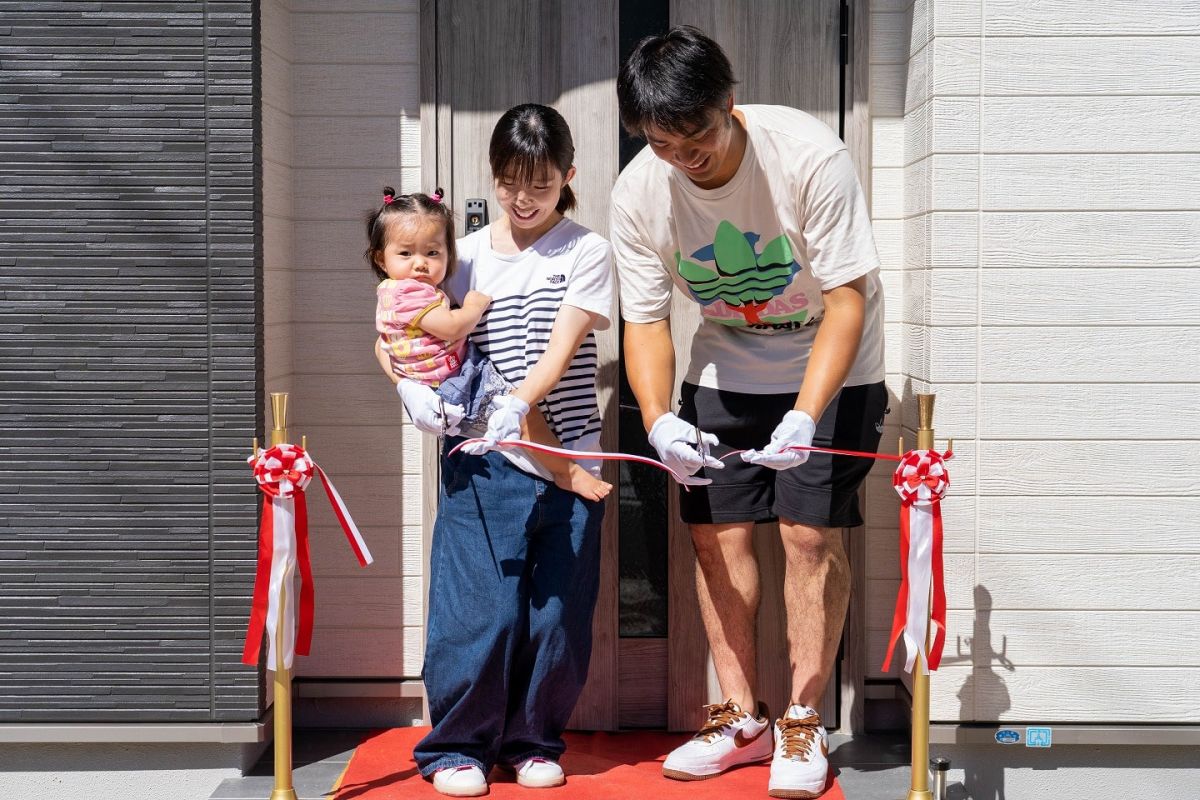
801 761
730 737
464 781
539 773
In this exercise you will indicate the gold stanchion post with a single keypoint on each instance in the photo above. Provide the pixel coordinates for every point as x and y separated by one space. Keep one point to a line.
283 680
919 788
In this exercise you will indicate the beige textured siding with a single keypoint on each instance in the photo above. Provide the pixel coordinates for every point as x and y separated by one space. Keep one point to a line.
1036 182
341 120
891 24
278 186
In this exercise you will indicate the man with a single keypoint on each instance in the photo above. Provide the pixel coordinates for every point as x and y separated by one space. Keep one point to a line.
756 214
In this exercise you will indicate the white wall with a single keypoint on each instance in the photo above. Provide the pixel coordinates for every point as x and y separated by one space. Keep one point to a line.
1036 179
346 88
891 22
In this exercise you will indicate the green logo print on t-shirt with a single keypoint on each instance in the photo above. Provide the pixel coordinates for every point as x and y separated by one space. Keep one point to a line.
746 288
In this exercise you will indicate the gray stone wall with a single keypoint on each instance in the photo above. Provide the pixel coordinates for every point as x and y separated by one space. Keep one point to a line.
130 359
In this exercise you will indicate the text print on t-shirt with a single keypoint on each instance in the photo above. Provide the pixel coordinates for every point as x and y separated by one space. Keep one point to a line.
745 287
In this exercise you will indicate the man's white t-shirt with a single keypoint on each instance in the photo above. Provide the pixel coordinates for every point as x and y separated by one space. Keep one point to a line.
755 254
569 265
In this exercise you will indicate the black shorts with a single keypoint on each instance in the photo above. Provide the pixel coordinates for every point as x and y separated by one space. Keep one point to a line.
822 492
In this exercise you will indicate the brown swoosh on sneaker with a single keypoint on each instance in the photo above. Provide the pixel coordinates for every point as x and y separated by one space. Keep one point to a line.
740 739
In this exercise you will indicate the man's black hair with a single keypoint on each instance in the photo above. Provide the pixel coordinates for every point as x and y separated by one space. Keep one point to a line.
673 81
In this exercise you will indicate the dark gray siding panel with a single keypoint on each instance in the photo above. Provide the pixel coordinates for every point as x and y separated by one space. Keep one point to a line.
129 359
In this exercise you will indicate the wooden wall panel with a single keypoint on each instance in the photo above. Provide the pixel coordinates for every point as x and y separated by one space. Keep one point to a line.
1163 411
1079 694
1035 17
1124 581
1042 638
1133 65
354 95
1089 124
1083 354
1120 239
363 37
1090 182
1090 297
1049 524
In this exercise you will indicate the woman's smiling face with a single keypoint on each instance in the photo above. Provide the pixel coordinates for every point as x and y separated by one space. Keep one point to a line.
531 203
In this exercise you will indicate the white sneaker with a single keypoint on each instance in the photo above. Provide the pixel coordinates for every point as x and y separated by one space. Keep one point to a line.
729 738
539 773
464 781
801 761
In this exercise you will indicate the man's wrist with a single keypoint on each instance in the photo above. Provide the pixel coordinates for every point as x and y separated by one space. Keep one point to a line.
652 415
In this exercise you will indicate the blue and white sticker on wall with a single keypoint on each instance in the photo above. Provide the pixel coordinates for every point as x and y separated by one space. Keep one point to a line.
1037 737
1008 736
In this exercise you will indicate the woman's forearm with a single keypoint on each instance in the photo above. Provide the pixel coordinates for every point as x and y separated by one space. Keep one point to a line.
571 327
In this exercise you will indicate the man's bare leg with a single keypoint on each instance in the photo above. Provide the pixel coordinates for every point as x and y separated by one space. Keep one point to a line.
727 584
816 591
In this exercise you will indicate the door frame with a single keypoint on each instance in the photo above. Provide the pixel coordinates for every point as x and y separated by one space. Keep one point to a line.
574 72
686 646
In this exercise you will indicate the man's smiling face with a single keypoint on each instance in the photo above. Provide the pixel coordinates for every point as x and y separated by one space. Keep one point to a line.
701 151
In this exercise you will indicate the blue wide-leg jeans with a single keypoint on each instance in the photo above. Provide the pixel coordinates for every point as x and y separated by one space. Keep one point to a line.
514 571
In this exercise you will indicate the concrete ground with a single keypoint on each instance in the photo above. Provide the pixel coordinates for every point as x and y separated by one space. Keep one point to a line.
869 767
873 767
115 771
319 756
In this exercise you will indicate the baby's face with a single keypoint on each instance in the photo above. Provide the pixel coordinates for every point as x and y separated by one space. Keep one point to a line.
416 249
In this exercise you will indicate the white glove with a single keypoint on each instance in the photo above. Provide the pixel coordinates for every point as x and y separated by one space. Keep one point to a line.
683 448
504 423
795 430
427 411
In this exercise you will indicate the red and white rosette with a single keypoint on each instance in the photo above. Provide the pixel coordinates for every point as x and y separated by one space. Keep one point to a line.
921 480
283 473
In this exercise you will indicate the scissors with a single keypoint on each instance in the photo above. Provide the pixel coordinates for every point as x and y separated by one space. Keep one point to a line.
701 446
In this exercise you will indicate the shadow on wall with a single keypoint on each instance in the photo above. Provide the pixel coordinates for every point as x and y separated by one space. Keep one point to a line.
983 698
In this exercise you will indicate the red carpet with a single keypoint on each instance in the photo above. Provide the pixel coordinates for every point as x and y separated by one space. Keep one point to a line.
599 766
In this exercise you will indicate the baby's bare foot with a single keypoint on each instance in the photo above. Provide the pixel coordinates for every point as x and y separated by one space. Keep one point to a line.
583 483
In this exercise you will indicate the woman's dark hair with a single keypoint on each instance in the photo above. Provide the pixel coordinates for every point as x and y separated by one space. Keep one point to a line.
528 138
673 81
396 208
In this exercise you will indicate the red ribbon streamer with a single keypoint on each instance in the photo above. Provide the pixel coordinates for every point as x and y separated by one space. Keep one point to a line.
921 480
284 472
262 577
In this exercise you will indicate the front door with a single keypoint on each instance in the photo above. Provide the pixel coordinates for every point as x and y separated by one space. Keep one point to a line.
479 57
785 53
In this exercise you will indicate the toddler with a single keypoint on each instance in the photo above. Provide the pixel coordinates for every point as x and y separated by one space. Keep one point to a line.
421 338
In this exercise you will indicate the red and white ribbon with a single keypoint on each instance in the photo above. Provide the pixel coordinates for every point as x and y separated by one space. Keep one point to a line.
577 455
283 473
598 455
921 480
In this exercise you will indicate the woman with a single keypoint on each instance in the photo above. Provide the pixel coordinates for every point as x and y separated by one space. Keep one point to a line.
515 560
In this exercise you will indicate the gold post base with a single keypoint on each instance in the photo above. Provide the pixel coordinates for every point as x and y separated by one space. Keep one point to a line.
913 794
283 794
